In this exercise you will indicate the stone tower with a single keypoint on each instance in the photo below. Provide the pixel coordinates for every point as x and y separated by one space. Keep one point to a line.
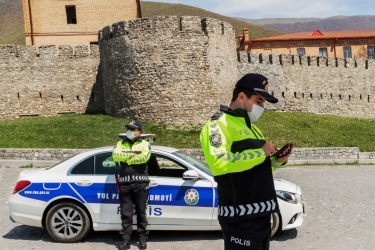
173 71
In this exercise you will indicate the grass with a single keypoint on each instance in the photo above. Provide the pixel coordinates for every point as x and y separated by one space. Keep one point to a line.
27 166
96 130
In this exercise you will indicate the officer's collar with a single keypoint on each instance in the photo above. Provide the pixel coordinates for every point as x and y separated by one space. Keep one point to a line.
131 142
237 113
233 112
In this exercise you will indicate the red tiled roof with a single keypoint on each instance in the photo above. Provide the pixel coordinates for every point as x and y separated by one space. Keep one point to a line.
318 35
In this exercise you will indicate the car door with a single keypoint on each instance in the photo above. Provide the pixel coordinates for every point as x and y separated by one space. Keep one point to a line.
93 179
174 201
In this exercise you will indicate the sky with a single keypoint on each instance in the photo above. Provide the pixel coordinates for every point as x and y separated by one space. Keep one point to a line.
258 9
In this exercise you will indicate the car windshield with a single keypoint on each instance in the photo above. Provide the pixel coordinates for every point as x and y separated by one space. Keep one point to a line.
195 162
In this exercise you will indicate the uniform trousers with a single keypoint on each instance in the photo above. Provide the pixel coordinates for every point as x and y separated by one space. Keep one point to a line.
133 195
249 234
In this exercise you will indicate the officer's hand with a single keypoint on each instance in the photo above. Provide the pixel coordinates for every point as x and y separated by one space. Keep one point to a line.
285 154
124 161
269 148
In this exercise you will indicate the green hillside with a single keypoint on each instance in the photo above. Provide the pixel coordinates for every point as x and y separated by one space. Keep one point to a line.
152 9
12 30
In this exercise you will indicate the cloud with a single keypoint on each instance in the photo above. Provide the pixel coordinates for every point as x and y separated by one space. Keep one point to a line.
257 9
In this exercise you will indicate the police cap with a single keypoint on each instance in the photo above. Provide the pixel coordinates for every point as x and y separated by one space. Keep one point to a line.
257 83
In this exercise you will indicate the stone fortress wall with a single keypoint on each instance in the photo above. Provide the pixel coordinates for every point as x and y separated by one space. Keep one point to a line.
49 80
174 71
316 85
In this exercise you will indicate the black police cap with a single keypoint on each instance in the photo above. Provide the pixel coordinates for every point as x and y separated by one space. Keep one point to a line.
257 83
134 124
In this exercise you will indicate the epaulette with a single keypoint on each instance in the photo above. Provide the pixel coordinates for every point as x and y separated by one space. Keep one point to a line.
216 116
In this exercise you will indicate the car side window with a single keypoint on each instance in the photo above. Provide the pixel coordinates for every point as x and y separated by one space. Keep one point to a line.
84 167
162 166
104 164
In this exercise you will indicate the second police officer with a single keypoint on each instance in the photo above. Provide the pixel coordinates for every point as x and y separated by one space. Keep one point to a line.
133 154
240 159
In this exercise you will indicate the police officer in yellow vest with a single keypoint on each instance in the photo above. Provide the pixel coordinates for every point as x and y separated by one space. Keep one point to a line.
240 159
133 154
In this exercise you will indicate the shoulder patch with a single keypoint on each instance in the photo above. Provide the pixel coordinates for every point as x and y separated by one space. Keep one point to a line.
216 116
215 140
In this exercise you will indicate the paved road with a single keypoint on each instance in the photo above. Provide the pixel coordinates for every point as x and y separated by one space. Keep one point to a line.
339 202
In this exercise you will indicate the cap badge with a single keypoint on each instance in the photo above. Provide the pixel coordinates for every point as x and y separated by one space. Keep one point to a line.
265 83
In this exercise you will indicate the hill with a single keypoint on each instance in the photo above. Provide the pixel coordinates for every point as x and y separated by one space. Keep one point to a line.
335 23
12 30
152 9
11 22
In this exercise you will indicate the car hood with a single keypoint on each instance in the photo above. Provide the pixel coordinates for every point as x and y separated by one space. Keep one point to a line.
283 185
32 172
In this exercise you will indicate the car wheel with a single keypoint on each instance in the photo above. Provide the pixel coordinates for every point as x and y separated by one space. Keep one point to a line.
275 222
67 222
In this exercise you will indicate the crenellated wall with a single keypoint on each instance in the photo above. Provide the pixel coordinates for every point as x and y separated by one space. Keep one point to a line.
173 71
49 80
316 85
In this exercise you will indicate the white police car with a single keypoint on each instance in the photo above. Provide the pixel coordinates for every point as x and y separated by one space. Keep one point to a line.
80 194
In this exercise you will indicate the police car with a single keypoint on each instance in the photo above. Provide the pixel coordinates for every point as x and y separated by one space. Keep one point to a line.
80 194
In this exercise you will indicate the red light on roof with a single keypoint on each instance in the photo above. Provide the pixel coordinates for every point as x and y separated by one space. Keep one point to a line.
317 33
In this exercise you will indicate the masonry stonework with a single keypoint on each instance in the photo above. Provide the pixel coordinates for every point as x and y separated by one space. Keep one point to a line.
166 73
61 79
176 71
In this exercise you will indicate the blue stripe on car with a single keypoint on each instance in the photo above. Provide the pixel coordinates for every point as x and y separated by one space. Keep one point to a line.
106 193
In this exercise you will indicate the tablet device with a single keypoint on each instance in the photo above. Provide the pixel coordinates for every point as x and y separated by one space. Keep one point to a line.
278 153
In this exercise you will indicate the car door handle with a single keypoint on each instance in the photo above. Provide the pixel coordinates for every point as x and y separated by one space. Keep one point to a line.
84 183
153 184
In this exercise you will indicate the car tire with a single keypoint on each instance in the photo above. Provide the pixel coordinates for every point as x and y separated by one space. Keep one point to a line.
67 222
275 222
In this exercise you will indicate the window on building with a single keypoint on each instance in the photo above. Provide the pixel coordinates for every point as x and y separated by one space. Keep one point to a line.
347 52
370 52
301 51
323 52
71 14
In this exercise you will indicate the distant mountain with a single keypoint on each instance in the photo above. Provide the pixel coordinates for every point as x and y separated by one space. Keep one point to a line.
152 9
292 25
12 28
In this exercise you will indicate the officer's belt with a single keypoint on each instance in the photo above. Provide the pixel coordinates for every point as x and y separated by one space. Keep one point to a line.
246 209
131 178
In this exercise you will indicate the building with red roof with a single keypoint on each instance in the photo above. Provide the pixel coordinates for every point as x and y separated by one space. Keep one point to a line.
345 44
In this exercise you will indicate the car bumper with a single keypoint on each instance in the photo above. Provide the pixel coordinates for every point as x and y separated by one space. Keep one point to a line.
26 211
291 214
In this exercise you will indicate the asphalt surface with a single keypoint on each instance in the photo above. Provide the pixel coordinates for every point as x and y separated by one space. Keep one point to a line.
339 203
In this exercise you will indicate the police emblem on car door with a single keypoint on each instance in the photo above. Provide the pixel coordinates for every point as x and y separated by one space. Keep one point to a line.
174 200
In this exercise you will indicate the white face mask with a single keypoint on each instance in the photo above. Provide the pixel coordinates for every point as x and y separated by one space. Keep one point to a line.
255 112
130 134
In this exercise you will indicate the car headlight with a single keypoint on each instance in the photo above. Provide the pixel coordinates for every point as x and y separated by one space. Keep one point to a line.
286 196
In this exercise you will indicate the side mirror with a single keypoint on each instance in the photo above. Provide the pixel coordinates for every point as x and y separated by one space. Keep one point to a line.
191 175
